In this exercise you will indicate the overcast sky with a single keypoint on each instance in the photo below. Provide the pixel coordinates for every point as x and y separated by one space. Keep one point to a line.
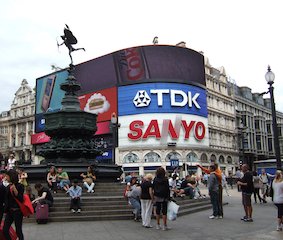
243 36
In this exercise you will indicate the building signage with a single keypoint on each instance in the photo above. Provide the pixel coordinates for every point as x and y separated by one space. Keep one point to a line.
163 128
162 98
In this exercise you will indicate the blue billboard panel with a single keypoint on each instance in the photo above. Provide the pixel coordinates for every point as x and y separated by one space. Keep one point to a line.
162 98
48 92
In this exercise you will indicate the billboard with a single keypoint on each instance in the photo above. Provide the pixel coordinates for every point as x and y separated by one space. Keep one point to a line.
162 98
174 75
162 128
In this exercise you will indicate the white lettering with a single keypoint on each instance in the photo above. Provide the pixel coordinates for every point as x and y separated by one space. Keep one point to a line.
159 93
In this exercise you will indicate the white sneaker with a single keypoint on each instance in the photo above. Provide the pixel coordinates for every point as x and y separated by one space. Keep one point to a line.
158 227
164 228
279 228
79 211
212 217
73 210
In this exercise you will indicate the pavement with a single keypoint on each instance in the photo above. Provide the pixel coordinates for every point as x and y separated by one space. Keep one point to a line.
192 226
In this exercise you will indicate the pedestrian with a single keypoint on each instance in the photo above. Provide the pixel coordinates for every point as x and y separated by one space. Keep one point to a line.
264 177
277 186
239 175
257 186
247 187
14 191
161 194
11 163
133 193
75 193
213 190
146 200
2 196
205 179
218 174
224 184
23 176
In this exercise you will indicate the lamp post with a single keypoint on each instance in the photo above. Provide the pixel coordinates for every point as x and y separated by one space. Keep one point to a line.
114 126
269 76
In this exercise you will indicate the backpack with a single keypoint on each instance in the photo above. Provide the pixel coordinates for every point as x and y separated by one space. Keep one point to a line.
161 188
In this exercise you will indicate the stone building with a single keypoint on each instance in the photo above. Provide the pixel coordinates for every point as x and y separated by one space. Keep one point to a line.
17 125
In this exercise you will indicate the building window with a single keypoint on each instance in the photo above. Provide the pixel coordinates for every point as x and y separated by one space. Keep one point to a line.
213 158
229 160
131 158
172 155
221 159
203 158
192 157
152 157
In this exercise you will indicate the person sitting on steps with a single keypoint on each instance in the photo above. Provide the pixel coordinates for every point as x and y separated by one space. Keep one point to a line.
89 179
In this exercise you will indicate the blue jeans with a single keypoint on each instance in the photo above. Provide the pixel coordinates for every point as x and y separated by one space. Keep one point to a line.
214 198
136 204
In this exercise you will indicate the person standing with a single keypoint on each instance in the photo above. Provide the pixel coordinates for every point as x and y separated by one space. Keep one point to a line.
75 193
277 186
11 163
247 186
264 177
218 174
213 190
14 191
161 194
2 199
146 200
257 185
224 183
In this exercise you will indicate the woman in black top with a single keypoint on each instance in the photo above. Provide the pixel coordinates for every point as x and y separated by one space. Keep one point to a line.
161 196
12 209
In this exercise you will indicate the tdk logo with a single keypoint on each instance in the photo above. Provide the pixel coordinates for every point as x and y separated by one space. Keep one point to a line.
178 98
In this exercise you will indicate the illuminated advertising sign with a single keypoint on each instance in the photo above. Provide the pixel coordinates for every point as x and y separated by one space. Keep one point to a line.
163 128
162 98
103 103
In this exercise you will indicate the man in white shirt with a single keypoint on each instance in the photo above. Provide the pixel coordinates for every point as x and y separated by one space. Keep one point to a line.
11 164
264 178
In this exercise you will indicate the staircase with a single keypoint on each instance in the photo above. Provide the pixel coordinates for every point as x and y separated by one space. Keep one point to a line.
108 203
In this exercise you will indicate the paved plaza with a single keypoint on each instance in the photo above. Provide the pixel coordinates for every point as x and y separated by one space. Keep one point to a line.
193 226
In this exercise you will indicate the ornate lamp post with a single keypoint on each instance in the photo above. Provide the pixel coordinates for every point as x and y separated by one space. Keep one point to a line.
269 76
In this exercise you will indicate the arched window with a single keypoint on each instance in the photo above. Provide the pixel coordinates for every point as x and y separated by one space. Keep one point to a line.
192 157
152 157
172 155
131 158
213 158
229 160
221 159
203 158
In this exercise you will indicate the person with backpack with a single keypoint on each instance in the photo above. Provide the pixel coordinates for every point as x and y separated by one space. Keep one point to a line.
161 193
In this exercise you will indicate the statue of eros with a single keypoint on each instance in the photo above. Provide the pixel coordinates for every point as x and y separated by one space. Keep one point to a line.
69 40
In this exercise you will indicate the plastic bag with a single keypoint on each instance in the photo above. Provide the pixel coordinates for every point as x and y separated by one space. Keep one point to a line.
172 210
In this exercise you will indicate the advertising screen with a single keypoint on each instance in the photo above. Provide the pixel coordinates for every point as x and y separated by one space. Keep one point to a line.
162 98
162 128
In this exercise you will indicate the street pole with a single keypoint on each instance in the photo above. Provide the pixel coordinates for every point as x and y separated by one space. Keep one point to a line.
269 76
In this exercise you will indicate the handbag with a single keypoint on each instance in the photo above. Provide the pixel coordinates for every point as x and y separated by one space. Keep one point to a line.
25 206
172 210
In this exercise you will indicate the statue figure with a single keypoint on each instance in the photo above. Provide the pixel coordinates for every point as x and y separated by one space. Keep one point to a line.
69 40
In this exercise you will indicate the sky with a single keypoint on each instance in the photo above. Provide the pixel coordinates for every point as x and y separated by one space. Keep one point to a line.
242 36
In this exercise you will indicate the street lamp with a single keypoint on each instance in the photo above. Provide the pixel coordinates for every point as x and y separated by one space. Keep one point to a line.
269 76
114 127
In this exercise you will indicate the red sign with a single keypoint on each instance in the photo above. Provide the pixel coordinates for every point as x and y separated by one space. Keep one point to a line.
153 130
103 103
39 138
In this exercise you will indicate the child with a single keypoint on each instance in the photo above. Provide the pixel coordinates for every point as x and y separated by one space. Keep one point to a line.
75 193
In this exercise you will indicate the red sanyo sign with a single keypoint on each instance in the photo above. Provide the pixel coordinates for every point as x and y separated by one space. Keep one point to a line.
154 130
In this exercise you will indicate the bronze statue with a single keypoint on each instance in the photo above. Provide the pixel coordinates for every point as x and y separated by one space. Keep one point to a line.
69 40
